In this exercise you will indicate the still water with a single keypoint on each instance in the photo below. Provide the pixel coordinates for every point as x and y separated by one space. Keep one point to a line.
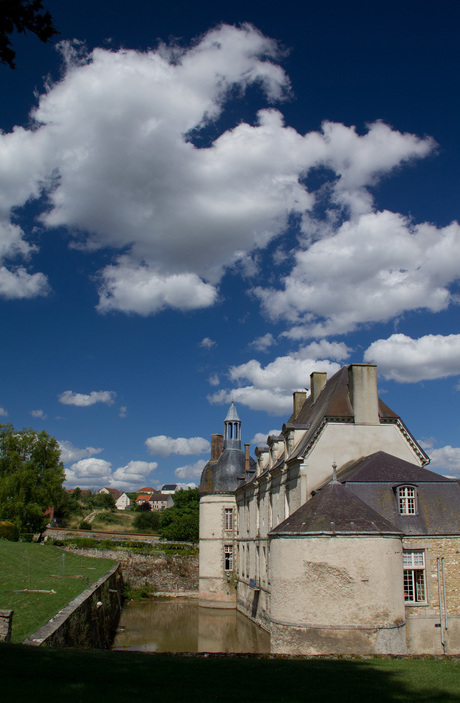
180 625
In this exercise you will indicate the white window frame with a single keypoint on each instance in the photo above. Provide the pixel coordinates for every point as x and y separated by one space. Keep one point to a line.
228 519
407 500
414 576
228 557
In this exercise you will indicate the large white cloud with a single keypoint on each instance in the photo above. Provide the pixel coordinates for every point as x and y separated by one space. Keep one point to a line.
445 460
70 453
114 150
408 360
88 473
191 471
84 400
373 268
164 446
133 475
271 387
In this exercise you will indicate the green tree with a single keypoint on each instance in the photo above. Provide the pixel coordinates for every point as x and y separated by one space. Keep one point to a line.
22 16
107 501
181 522
31 478
147 521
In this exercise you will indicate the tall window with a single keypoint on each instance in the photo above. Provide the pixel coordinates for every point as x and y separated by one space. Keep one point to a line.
228 557
406 499
414 576
229 518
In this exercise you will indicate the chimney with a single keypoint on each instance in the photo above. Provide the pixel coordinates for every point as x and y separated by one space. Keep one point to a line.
363 392
246 459
317 382
217 443
298 399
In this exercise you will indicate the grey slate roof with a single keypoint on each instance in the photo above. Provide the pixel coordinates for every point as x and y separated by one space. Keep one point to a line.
333 403
375 479
335 510
221 476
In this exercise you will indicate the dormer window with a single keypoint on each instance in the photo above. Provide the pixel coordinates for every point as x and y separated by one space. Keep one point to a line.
407 500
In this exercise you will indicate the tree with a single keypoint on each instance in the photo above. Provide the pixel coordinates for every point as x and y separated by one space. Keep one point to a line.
147 521
22 16
181 522
31 478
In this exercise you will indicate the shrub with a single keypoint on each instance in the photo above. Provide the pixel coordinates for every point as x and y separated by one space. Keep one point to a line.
84 525
9 531
147 522
84 542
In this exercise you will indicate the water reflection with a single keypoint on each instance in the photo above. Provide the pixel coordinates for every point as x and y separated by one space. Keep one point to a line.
180 625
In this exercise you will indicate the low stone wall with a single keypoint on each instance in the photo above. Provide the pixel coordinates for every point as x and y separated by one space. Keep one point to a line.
166 573
6 622
90 620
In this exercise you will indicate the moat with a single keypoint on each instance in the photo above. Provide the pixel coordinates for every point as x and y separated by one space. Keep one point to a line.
180 625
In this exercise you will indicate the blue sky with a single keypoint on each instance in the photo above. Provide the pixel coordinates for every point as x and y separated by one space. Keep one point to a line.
207 202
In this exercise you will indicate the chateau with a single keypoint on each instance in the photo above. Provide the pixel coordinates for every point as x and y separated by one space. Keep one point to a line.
336 539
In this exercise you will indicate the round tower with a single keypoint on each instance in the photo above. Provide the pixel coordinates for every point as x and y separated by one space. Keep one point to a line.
218 529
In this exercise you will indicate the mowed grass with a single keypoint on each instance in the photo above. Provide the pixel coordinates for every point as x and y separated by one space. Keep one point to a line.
77 676
33 567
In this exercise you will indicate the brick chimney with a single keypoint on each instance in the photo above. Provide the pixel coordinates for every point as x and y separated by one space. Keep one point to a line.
298 399
246 459
217 443
363 392
317 382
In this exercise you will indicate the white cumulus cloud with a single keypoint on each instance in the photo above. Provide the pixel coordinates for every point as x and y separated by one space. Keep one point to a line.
83 400
261 437
207 343
114 153
133 475
164 446
3 412
70 453
374 267
270 387
39 414
191 471
87 473
408 360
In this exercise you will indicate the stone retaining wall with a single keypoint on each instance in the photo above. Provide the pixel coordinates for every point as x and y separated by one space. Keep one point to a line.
6 622
89 621
166 573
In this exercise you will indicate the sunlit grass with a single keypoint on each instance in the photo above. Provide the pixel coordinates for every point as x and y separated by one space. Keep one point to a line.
41 567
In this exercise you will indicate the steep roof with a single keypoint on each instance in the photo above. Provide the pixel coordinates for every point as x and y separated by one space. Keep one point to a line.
375 480
335 510
333 403
221 476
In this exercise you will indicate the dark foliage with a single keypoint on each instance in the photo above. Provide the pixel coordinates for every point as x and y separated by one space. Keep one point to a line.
181 522
22 16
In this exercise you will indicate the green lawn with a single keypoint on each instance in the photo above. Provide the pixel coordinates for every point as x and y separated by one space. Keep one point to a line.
42 567
76 676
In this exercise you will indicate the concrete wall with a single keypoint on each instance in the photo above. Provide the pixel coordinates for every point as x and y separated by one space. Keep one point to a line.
341 594
217 586
89 621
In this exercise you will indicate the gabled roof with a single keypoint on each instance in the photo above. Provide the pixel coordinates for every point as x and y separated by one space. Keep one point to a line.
335 510
333 403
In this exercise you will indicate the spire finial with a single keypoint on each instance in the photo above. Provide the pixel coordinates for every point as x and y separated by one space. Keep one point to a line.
334 472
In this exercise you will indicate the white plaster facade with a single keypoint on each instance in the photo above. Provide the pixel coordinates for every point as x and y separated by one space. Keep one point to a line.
333 582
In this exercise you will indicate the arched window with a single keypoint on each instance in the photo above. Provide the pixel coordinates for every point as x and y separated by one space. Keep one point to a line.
407 500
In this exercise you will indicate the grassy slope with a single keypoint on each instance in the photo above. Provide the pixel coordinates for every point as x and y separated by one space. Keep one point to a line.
92 677
42 567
